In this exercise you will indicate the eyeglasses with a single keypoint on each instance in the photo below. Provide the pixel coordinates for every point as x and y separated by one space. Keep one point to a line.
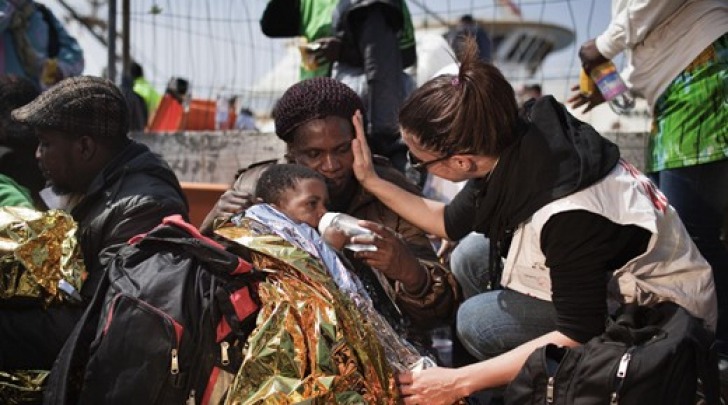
418 164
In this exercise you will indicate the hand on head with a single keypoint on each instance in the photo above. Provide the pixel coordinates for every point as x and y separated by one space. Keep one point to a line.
363 164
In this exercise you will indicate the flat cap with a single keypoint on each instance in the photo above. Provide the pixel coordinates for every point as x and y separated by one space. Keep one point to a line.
76 106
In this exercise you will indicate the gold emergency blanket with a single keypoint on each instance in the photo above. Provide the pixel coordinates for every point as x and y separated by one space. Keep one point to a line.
38 251
310 344
22 387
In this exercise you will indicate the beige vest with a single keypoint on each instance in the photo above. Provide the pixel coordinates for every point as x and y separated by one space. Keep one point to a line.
671 269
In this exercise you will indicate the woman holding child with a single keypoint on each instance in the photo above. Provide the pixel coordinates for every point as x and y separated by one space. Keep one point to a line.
313 118
582 231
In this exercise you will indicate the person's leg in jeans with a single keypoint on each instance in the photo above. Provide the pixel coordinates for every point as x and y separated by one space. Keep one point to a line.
469 264
492 323
700 196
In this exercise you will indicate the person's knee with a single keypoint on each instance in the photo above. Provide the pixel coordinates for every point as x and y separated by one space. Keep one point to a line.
476 331
469 263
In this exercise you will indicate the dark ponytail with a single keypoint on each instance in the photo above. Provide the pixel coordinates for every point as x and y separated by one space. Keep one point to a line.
472 112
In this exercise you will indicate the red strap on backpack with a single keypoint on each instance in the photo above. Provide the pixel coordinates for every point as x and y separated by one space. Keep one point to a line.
179 222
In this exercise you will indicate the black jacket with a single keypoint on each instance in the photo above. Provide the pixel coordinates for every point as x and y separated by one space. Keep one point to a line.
130 196
350 25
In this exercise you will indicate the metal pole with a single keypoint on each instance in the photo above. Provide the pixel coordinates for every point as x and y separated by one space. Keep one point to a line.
111 61
125 55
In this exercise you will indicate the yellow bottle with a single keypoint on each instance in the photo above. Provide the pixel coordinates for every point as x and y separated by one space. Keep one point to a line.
586 84
605 79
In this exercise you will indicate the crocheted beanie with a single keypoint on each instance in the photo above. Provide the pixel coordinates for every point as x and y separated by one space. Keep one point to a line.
76 106
312 99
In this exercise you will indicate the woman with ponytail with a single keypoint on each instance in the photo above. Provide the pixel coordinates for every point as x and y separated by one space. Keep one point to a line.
580 230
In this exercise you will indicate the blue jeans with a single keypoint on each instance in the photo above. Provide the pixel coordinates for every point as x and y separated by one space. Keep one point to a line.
469 264
700 196
492 323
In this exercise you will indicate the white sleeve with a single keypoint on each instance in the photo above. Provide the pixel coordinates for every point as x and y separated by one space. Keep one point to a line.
634 20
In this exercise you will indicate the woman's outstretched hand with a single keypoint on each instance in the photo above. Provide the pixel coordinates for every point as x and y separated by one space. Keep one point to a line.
436 386
363 165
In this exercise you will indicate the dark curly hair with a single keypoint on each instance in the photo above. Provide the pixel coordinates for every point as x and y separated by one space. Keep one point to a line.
15 92
18 142
312 99
281 177
474 111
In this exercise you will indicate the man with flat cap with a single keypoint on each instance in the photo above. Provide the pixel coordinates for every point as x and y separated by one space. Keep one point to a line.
119 188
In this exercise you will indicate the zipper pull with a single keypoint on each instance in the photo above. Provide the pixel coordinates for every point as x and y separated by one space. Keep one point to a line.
175 362
191 398
550 391
623 364
621 373
224 358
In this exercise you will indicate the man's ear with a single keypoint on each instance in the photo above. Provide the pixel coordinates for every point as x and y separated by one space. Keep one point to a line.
86 147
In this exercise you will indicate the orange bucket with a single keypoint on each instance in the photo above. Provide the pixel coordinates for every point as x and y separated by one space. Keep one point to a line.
201 116
168 115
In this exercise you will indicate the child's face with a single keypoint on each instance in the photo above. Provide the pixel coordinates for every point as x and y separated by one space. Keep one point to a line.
306 202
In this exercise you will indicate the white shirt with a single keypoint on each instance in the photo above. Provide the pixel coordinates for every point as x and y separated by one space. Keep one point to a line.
660 38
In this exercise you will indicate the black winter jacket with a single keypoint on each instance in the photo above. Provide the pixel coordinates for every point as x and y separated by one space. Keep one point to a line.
130 196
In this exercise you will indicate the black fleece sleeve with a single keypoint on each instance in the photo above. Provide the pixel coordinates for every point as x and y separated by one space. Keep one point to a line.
460 212
582 250
281 19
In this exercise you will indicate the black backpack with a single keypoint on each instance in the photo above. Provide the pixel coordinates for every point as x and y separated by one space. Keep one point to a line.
170 318
646 356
